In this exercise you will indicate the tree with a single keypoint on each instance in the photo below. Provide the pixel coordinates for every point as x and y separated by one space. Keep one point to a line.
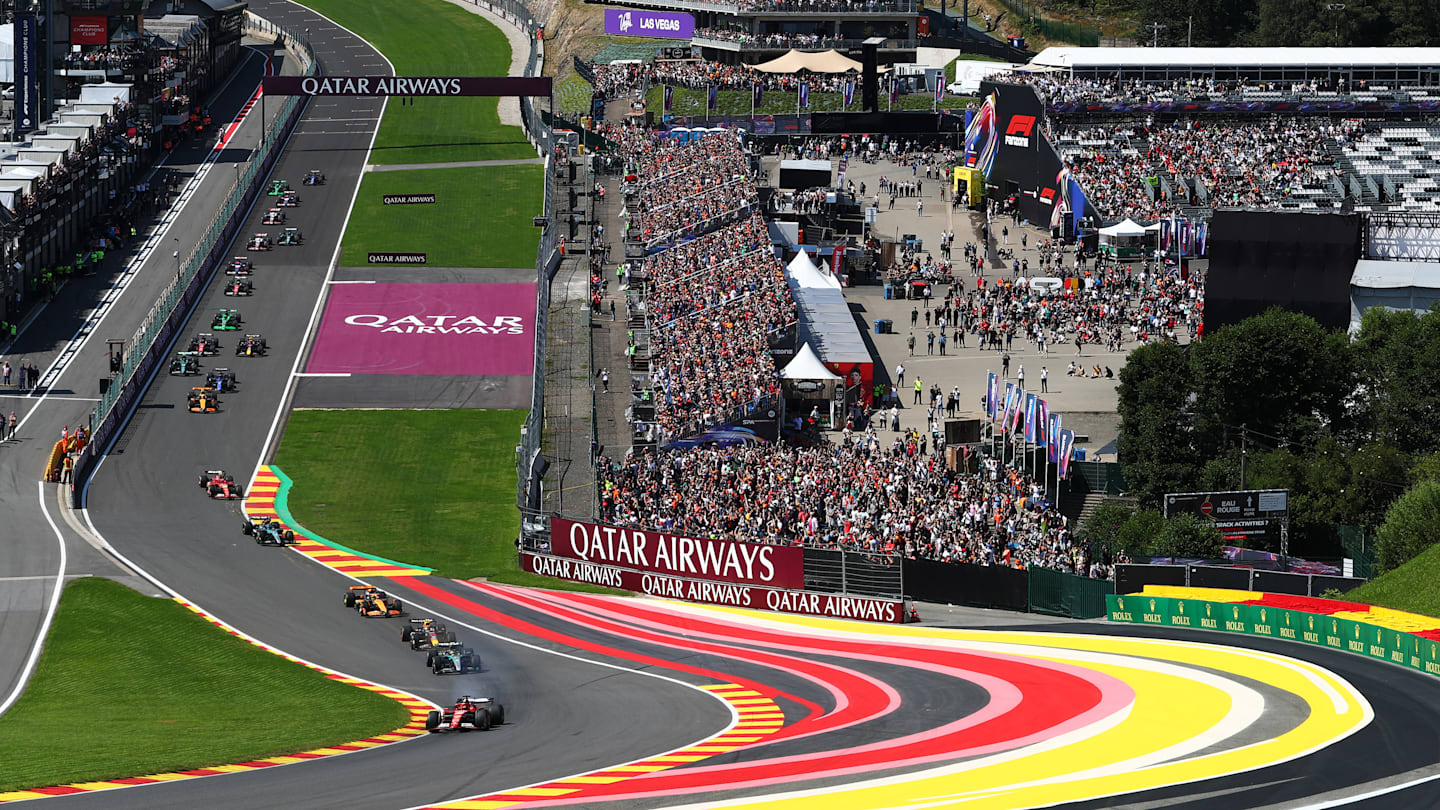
1101 531
1185 535
1411 526
1154 443
1397 360
1138 535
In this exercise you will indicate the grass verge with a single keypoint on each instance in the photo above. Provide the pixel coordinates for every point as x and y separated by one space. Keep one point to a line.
692 103
435 39
157 688
433 488
480 218
1410 588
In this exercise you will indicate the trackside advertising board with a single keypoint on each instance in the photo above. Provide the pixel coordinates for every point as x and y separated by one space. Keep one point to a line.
1359 638
729 594
677 556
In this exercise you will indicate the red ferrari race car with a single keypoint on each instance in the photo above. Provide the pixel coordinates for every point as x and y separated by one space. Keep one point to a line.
204 344
219 484
479 713
372 602
239 287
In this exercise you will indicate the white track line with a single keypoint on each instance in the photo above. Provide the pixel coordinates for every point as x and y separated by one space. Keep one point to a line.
49 611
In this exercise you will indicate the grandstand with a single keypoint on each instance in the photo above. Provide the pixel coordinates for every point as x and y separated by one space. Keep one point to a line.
1347 67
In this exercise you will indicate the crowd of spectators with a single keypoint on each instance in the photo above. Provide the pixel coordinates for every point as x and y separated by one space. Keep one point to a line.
104 59
1259 164
777 39
682 188
1061 89
819 6
617 80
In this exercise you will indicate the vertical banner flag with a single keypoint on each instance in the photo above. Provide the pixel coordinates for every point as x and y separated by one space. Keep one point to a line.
992 393
713 100
894 91
756 93
669 97
1042 423
1067 450
1030 420
1053 446
849 92
1019 411
805 95
1009 404
939 89
27 73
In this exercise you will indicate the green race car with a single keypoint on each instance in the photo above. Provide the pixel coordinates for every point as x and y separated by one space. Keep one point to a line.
278 187
227 320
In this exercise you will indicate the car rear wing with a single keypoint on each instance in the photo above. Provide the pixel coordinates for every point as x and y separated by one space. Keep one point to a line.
421 621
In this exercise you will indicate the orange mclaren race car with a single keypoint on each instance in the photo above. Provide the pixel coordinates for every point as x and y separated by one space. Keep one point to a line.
372 602
203 400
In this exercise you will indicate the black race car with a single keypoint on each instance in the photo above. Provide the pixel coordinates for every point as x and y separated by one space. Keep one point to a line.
205 345
314 177
260 241
478 713
291 236
222 380
452 656
220 484
268 532
250 346
424 634
185 363
239 287
273 217
240 266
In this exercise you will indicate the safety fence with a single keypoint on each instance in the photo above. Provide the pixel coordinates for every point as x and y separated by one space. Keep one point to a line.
1134 578
146 349
1032 590
1418 651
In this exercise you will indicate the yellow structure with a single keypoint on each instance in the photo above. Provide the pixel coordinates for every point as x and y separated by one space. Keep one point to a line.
972 182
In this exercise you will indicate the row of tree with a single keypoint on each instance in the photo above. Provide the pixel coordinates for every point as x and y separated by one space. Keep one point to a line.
1273 23
1346 423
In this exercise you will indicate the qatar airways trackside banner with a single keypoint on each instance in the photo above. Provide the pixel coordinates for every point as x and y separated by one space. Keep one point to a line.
690 557
451 329
729 594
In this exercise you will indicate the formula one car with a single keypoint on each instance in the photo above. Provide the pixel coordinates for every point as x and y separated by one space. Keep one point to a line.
278 187
273 217
203 400
425 634
185 363
220 484
222 380
372 602
452 656
314 177
227 320
239 287
267 532
260 241
478 713
204 344
250 346
240 266
289 200
292 236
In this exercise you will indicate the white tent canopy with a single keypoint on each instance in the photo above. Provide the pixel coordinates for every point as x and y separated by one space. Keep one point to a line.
806 275
830 61
805 365
1127 228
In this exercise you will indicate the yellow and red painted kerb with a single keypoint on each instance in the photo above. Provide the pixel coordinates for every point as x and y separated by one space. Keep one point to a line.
414 728
1423 626
759 718
268 496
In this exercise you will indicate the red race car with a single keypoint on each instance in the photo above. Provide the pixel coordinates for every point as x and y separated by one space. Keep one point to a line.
220 484
479 713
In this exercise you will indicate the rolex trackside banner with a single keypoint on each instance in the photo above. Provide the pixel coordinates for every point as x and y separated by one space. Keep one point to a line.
731 594
665 553
407 85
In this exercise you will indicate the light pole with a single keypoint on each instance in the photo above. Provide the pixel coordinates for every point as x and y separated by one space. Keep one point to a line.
1155 29
1336 9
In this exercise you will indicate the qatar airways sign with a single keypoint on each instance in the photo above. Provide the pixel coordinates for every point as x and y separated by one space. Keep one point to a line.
449 329
677 555
728 594
406 85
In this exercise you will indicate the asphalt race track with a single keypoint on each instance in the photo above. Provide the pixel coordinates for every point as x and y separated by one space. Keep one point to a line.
830 714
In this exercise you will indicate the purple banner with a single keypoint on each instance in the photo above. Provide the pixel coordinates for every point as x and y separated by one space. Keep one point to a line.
426 329
636 23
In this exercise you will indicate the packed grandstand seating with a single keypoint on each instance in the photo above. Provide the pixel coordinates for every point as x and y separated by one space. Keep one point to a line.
684 188
616 80
1061 89
774 40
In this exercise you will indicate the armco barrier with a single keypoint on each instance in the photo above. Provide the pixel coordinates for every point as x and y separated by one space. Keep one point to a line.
1359 638
1135 578
147 348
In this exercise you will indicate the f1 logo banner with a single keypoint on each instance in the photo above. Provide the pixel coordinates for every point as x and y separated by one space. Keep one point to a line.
635 23
672 554
1018 131
27 73
407 85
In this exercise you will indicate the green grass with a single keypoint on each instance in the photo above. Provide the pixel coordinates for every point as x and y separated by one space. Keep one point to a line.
481 216
1410 588
691 103
130 685
573 96
434 38
432 488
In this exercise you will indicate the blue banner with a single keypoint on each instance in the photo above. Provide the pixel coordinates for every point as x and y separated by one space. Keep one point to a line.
27 74
1077 205
849 93
714 97
669 97
805 94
